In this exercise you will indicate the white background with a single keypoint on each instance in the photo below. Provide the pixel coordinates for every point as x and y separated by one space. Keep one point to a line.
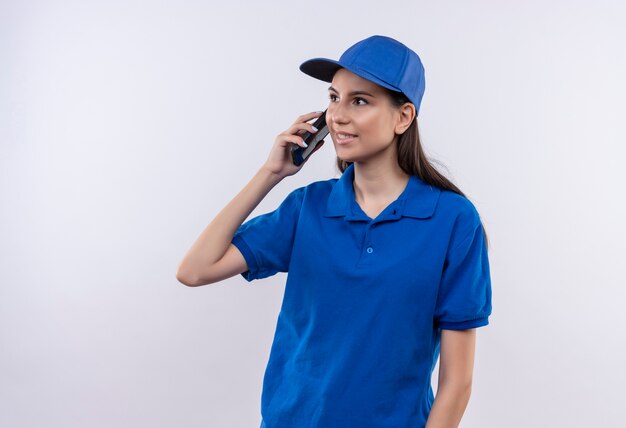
126 126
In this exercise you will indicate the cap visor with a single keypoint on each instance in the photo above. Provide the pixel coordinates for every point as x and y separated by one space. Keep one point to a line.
320 68
324 69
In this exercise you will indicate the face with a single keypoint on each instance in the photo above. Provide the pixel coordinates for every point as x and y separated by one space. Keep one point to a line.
362 121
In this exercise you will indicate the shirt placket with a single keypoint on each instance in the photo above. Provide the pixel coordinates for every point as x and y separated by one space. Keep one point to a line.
369 244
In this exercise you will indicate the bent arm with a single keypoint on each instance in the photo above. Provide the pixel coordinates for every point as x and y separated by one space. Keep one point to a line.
456 365
212 257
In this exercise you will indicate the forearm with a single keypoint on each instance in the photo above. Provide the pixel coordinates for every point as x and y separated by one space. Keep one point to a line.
217 236
449 405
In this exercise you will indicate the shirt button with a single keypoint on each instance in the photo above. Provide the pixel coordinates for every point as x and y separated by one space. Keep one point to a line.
370 250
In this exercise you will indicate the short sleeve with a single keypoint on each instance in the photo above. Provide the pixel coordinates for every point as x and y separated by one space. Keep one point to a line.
464 299
266 241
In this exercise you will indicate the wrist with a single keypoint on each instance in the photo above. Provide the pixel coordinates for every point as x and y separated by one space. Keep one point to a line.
269 176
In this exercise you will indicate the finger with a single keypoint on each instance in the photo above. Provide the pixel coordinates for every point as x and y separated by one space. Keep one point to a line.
308 116
295 139
301 128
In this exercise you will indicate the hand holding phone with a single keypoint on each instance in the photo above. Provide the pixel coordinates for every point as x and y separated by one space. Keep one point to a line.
299 155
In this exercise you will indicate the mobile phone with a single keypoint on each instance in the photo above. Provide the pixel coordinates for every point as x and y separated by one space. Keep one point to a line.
300 154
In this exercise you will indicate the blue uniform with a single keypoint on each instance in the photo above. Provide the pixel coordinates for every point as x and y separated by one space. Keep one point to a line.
359 329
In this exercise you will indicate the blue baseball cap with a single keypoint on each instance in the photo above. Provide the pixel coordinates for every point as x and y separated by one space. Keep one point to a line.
380 59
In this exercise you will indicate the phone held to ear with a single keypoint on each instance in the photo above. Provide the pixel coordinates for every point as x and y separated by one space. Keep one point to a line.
300 154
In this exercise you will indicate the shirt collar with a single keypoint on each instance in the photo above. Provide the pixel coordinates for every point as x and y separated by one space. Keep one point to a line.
418 199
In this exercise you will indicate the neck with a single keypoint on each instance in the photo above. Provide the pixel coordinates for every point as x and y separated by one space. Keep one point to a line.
379 182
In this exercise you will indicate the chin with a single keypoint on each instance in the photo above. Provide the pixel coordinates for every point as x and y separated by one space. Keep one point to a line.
348 159
343 156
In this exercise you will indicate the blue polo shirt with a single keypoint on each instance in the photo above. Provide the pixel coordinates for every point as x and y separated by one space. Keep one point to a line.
358 333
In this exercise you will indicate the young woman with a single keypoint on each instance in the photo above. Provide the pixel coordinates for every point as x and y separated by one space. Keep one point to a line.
387 265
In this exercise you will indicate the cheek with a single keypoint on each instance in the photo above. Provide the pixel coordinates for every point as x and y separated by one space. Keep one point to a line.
382 129
372 125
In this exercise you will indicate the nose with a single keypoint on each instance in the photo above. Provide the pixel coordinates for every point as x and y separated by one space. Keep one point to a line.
336 113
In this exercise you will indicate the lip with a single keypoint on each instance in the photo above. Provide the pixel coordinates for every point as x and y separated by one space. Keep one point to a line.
343 140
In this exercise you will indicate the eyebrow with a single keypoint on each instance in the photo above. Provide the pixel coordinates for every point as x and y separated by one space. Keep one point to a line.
330 88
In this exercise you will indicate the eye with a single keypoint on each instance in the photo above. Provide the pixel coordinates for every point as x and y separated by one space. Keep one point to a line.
332 97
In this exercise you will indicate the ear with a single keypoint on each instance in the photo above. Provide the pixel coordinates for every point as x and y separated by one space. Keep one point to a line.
406 113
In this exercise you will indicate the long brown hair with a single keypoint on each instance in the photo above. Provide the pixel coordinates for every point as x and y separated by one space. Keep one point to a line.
411 156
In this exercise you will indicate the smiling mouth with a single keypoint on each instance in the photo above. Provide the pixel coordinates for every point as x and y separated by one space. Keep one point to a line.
344 138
